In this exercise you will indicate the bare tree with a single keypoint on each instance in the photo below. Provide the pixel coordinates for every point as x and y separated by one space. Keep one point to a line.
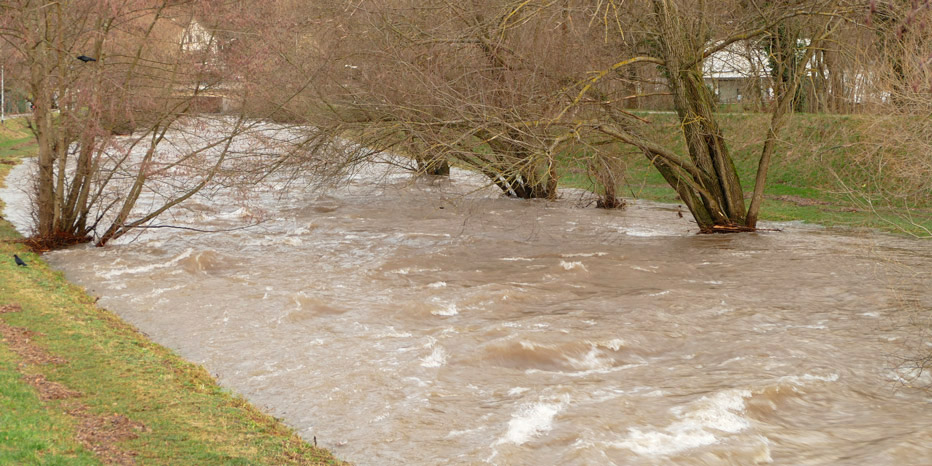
120 90
480 84
517 89
681 34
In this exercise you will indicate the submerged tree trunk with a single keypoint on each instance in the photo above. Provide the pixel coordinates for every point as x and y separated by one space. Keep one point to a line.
721 203
514 167
433 167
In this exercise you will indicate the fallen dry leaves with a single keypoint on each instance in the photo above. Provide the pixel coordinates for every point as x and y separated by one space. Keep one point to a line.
98 433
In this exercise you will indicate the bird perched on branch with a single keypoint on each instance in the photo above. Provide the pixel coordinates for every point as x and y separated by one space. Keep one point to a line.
86 58
19 261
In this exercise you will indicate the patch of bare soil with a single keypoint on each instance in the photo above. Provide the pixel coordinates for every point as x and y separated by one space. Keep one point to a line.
10 307
20 341
49 390
99 434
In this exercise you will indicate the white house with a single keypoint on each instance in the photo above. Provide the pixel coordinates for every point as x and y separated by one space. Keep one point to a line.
733 72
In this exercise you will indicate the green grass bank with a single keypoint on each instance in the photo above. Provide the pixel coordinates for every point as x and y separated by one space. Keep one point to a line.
79 386
867 171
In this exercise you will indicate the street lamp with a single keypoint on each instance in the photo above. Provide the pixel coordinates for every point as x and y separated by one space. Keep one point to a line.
2 95
2 90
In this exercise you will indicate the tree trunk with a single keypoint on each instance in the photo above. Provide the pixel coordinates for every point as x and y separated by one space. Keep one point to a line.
722 206
433 166
45 138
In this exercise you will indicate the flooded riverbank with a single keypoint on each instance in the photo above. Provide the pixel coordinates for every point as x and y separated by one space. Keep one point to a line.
403 321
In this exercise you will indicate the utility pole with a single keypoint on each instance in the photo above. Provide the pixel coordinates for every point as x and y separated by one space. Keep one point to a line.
2 96
2 91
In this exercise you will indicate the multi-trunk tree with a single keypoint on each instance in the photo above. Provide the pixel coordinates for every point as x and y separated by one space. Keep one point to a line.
121 90
677 37
469 83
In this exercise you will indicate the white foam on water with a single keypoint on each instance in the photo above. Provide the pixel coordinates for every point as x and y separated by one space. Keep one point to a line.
722 310
763 453
614 344
573 266
531 420
416 381
584 254
303 230
391 332
643 233
437 358
516 259
408 270
460 433
160 291
593 360
515 391
146 268
802 379
240 213
699 424
447 311
642 269
437 285
729 361
586 373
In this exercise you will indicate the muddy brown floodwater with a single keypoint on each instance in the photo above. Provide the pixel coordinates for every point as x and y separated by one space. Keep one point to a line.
408 322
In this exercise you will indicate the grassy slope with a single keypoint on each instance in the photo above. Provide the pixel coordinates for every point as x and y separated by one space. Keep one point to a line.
826 170
180 414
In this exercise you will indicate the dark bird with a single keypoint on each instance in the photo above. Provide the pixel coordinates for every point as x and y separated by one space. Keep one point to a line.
86 58
19 261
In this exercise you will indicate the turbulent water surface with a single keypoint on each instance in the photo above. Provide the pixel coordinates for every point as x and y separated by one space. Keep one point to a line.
408 322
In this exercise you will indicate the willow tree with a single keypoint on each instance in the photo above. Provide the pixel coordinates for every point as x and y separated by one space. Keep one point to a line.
112 81
677 36
480 84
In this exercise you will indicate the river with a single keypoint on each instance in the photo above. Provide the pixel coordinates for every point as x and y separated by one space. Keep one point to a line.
404 321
